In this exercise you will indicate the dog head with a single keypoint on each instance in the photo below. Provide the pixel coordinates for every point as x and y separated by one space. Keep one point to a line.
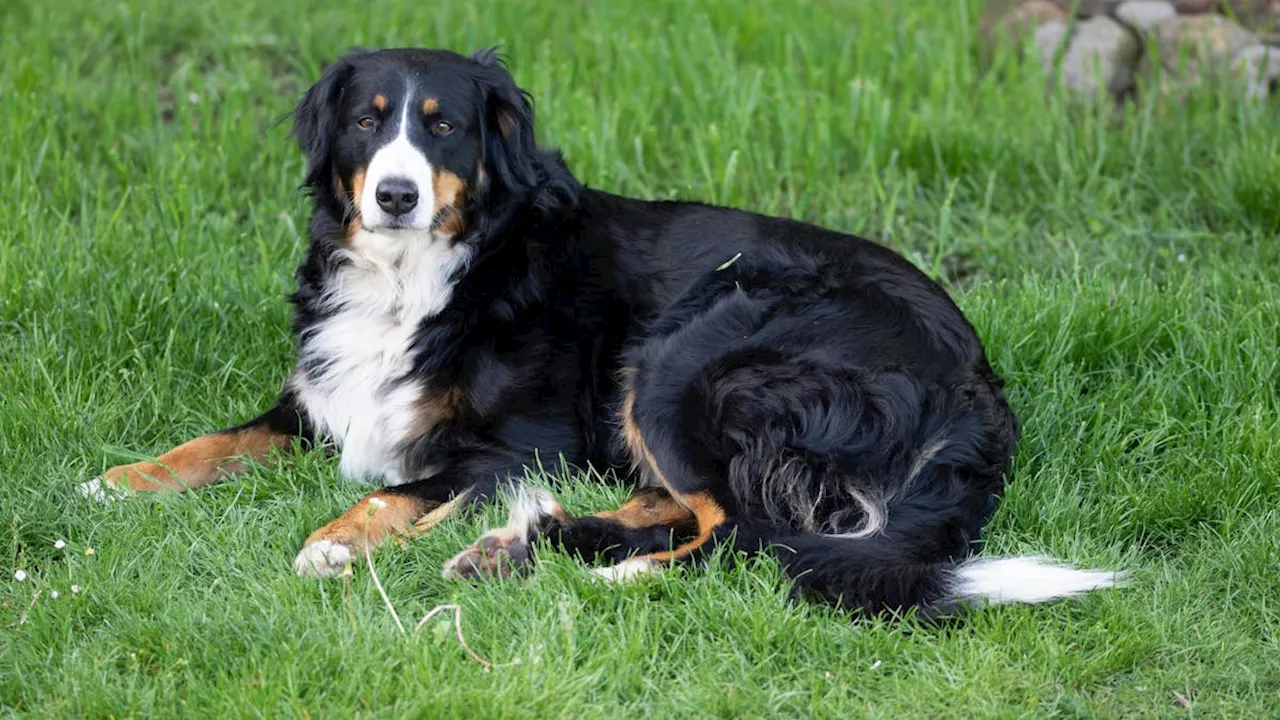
413 141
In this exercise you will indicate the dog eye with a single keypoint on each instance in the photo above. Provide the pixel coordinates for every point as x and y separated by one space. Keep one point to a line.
365 123
443 128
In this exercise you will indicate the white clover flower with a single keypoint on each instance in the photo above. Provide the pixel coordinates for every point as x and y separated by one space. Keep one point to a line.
53 594
75 589
59 544
20 575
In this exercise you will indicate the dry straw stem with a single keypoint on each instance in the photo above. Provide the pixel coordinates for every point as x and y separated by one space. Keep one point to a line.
23 620
456 609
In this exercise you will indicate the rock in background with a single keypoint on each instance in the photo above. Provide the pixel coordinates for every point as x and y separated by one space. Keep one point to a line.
1106 47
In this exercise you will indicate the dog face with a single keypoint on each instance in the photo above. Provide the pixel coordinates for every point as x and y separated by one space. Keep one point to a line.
408 141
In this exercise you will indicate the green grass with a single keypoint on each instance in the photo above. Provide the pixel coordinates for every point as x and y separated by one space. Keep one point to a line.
1124 272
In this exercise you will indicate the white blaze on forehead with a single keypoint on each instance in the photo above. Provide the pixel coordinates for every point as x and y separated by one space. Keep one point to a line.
399 158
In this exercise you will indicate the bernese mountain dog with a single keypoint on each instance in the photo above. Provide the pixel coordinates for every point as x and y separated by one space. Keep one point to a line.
467 310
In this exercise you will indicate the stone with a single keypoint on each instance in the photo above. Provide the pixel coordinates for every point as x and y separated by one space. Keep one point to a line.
1256 14
1259 68
1143 15
1012 23
1193 7
1088 8
1209 42
1101 55
1033 13
1050 38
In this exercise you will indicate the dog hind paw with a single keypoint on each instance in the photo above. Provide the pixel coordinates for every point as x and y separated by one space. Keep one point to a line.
498 553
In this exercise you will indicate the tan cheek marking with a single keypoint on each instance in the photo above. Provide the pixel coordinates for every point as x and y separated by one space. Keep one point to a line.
448 188
450 191
430 105
380 101
357 190
199 462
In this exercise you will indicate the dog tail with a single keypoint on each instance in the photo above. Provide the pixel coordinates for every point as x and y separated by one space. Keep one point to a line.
870 485
881 574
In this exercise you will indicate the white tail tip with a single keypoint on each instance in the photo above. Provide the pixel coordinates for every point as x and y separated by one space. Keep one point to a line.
1000 581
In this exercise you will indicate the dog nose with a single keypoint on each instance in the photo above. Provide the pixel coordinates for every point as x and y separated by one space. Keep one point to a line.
397 196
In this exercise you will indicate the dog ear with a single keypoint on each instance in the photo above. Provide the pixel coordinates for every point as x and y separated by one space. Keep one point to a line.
511 155
315 120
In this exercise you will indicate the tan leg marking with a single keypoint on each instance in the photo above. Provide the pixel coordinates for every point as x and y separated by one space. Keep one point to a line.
641 458
706 513
437 516
366 525
651 507
199 462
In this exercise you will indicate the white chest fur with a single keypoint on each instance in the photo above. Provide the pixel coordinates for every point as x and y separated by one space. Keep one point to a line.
355 392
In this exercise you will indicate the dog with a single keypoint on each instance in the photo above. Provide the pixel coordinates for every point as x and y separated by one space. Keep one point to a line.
467 309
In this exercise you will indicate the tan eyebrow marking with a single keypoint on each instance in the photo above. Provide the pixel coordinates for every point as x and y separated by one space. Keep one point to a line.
380 101
430 105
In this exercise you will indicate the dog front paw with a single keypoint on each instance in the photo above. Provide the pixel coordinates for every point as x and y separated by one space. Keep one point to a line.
101 490
323 558
498 553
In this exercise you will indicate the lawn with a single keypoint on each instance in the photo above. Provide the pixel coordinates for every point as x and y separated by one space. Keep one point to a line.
1124 271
